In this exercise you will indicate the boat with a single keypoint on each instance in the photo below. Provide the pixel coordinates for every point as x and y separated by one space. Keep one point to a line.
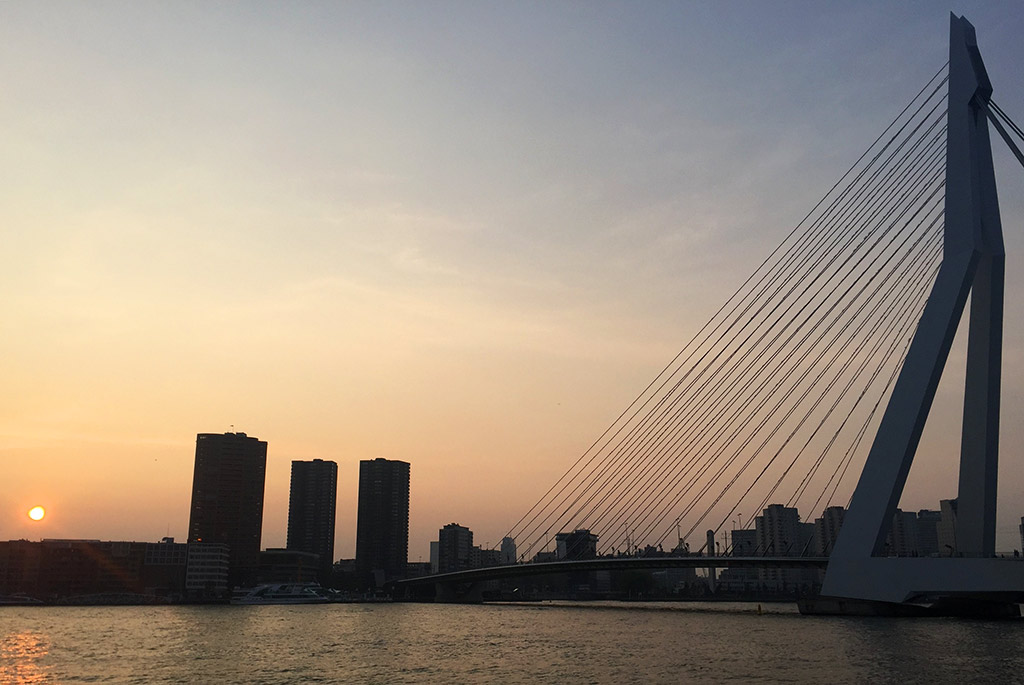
281 593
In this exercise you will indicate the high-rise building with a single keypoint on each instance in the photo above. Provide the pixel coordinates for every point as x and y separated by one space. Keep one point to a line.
455 548
579 544
826 530
780 533
227 499
382 525
928 532
311 507
508 551
946 528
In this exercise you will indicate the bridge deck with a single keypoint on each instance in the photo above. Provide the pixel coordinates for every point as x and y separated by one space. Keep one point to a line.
614 564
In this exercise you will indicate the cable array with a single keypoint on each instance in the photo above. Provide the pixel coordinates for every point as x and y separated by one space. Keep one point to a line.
776 397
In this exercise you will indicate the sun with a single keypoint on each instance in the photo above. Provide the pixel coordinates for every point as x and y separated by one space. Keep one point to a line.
36 513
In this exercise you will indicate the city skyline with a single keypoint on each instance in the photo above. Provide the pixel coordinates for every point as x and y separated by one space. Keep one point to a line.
329 293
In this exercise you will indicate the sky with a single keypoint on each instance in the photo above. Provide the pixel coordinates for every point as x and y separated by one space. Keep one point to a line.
463 235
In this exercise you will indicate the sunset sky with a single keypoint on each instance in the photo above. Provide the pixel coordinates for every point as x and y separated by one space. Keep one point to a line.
459 234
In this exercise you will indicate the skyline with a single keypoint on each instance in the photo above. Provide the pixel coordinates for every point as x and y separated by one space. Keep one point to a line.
473 266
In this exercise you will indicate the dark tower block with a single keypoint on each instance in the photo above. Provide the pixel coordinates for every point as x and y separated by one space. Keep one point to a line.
227 499
311 508
382 528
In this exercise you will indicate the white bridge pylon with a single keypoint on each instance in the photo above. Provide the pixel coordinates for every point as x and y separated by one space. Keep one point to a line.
973 263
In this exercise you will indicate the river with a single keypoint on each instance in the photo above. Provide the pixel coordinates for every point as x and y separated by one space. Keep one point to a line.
543 643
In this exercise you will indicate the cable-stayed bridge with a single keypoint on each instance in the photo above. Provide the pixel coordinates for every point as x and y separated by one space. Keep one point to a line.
823 365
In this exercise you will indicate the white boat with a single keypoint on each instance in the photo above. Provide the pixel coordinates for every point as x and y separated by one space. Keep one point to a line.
281 593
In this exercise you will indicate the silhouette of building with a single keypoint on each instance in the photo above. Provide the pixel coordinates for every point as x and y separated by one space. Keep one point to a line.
744 542
579 544
311 510
454 548
914 534
928 531
289 566
382 525
947 527
780 533
826 530
508 551
87 571
227 499
435 560
206 576
480 557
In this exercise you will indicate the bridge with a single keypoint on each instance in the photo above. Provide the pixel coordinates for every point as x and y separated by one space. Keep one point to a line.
822 365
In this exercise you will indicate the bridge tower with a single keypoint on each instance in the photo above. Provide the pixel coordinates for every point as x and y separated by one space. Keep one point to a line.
973 264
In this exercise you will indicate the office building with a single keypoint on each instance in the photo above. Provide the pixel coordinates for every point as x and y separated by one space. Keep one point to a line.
311 508
227 499
382 525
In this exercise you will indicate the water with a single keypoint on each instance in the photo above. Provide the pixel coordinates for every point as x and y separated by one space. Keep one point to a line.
550 643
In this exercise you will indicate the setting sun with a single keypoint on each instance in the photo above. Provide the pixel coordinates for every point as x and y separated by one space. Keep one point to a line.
36 513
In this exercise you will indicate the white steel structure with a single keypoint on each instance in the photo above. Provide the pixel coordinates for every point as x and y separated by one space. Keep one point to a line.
973 263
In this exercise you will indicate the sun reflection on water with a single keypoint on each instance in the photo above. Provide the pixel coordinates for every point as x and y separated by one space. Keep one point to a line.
21 656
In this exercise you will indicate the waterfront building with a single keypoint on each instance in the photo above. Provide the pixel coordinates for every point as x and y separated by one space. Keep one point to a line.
206 573
579 544
902 538
947 528
480 557
382 525
454 548
82 570
928 532
227 498
744 542
780 533
826 530
508 550
289 566
312 497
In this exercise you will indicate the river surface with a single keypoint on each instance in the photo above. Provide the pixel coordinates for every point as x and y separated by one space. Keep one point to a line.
546 643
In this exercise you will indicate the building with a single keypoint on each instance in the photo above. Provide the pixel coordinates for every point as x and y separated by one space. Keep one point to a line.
480 557
744 542
928 521
83 571
227 499
579 544
508 550
1022 534
289 566
206 574
780 533
902 538
382 525
947 528
454 548
826 530
312 498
